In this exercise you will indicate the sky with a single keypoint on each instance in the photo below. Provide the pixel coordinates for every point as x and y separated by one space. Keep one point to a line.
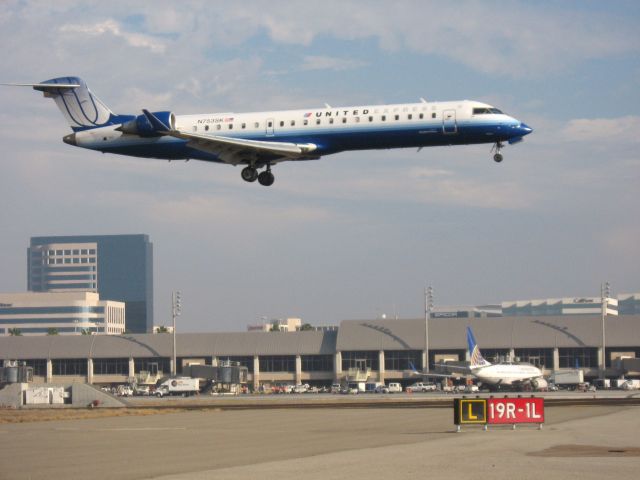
357 234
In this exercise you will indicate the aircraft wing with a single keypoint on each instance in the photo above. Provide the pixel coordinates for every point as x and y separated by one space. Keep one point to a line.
240 150
237 150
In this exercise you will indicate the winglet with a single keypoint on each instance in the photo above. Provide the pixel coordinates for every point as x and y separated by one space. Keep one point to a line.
157 124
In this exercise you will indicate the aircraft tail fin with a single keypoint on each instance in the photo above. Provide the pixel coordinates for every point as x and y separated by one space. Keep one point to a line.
477 360
413 367
78 104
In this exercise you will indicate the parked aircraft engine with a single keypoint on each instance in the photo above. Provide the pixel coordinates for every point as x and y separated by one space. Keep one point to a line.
539 383
142 126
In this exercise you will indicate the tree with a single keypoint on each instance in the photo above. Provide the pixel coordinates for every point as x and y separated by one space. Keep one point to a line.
306 327
275 328
162 329
52 331
85 331
15 332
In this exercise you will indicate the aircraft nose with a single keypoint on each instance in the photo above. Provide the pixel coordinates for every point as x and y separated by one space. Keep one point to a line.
525 129
70 139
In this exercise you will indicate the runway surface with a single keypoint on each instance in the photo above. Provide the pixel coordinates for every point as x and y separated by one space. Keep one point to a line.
577 442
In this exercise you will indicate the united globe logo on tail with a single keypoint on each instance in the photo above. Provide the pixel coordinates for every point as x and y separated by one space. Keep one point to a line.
477 360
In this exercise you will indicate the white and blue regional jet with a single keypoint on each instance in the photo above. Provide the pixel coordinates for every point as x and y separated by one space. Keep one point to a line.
259 140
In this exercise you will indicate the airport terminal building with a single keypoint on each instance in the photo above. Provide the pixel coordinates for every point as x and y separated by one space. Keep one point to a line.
382 349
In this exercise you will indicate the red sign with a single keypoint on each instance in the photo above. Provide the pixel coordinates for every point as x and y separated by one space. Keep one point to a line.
515 410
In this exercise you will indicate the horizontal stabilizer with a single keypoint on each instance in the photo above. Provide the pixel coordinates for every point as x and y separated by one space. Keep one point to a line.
43 86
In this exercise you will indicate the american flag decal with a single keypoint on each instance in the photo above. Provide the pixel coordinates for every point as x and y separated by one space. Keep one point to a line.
307 115
228 119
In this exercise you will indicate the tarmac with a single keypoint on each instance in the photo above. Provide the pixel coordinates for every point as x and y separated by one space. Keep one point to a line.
576 442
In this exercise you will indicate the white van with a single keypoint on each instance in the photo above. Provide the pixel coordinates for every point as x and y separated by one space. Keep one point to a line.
394 387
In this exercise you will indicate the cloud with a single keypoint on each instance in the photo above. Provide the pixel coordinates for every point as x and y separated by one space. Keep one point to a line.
323 62
111 27
609 130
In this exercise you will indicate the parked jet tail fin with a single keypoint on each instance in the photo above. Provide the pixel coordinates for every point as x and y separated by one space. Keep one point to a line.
413 367
78 104
477 359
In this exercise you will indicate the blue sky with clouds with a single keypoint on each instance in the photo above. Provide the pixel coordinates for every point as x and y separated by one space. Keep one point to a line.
354 235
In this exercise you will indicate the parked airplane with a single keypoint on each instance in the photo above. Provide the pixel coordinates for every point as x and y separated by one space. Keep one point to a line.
498 375
262 139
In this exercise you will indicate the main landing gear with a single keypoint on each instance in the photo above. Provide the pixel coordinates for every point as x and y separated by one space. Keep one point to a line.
250 174
497 148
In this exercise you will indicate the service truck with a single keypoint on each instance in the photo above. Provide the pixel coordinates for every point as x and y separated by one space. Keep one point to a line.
569 378
185 386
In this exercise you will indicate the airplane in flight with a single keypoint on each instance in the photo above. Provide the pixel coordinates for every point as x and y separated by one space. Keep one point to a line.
260 140
495 376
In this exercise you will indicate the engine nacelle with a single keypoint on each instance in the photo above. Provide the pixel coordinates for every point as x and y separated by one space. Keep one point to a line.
539 383
142 126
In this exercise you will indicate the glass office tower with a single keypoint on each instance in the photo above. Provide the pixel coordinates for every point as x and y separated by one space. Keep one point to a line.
118 267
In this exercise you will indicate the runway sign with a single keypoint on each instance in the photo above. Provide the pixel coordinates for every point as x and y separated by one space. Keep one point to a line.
470 412
515 410
498 411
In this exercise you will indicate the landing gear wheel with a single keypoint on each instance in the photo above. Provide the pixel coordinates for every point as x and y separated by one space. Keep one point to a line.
266 178
249 174
497 148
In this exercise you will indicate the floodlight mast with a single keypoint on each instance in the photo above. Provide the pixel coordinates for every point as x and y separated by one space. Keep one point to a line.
605 292
176 311
428 306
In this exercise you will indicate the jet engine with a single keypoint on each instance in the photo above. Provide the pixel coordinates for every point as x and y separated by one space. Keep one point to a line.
142 126
539 383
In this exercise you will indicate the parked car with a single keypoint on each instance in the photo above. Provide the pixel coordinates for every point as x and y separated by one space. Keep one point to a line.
422 387
394 387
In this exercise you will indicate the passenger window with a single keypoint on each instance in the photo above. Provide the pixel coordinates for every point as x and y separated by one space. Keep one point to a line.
257 124
331 120
357 119
231 126
293 123
397 117
383 118
371 119
317 121
282 124
409 117
344 120
305 122
218 126
244 125
421 116
271 124
433 115
206 128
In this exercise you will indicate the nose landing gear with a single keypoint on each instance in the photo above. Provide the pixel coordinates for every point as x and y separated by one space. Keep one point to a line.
497 148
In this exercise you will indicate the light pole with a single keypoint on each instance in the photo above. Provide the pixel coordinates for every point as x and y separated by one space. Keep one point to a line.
604 298
176 310
428 305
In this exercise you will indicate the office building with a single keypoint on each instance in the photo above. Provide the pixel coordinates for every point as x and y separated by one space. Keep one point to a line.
60 313
117 267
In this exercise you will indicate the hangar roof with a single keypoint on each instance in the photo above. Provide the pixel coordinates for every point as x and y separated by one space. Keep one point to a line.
490 332
353 335
161 345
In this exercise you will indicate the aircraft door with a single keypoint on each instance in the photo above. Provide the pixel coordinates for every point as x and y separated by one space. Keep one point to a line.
269 126
449 124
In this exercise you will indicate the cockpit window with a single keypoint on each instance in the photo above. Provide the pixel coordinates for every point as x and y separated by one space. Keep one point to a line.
485 110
